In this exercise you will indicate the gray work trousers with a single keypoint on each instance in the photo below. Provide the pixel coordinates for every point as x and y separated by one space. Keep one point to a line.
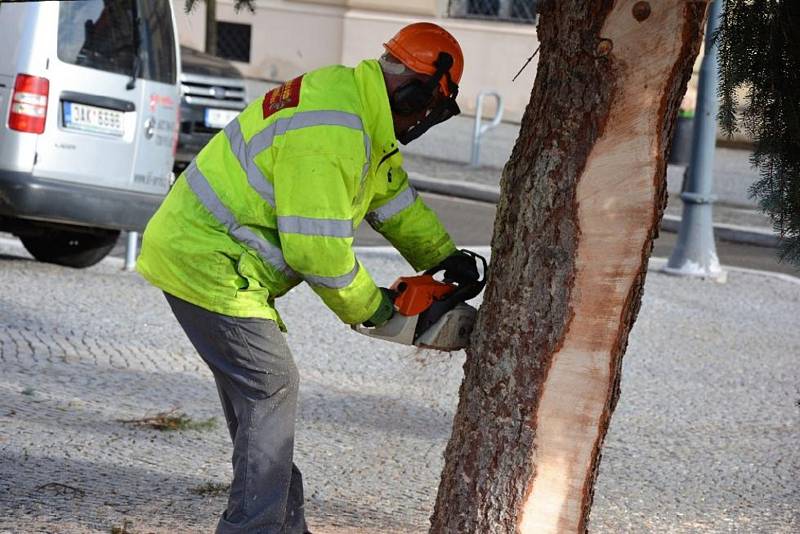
257 382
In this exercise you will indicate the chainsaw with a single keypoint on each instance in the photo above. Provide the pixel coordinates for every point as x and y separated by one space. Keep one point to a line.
429 313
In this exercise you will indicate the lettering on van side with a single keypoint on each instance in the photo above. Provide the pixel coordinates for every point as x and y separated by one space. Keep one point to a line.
151 180
157 100
163 131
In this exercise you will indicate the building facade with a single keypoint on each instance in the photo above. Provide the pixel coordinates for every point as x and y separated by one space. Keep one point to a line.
285 38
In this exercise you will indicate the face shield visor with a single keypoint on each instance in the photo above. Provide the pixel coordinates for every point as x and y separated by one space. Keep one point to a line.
418 95
442 111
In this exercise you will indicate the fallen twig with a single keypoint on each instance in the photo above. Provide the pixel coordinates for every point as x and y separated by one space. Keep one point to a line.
211 488
171 420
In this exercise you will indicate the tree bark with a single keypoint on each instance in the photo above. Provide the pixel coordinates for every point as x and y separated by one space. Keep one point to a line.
582 196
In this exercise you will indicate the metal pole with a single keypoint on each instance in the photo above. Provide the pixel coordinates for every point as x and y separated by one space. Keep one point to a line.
481 129
130 251
695 253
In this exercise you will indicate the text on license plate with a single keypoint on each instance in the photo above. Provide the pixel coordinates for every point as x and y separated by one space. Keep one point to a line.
93 119
219 118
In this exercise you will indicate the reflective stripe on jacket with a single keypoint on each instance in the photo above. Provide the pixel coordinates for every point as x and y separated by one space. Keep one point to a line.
275 197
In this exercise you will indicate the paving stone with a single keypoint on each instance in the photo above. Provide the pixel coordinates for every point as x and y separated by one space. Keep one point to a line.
704 438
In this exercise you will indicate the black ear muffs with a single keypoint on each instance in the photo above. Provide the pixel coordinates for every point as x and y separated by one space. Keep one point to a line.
417 95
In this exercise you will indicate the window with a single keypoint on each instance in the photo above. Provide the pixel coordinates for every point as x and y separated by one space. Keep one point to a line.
100 35
522 11
233 41
97 35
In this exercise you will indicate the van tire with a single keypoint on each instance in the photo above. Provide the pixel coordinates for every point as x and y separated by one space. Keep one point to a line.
70 249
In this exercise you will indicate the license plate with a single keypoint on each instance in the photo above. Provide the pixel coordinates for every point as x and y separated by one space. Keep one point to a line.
219 118
93 119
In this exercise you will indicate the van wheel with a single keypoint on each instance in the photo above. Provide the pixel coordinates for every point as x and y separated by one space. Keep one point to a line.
71 249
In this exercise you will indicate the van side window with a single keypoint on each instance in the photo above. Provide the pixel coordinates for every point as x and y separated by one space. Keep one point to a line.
99 34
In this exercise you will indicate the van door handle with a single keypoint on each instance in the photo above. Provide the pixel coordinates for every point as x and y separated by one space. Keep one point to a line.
98 101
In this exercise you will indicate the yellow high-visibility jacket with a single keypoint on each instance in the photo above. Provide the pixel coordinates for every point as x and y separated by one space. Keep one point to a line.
275 197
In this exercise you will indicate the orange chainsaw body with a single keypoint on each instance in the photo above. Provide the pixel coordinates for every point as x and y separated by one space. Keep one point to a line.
415 294
430 314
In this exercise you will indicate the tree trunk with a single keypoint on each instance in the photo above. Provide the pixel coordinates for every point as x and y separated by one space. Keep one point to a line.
582 196
211 27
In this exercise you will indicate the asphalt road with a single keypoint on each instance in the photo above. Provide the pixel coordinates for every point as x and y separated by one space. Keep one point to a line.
471 223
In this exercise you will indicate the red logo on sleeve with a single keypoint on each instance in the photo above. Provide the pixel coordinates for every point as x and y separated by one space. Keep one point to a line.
285 96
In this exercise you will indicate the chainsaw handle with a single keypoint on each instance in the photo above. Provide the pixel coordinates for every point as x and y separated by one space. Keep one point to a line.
474 255
467 291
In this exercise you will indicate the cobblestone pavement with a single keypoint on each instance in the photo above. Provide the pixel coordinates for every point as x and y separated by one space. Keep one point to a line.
704 438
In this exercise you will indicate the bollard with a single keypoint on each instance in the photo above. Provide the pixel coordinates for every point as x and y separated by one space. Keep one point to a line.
130 251
695 252
481 129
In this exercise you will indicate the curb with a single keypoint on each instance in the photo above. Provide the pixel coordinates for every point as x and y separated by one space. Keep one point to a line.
748 235
468 190
655 263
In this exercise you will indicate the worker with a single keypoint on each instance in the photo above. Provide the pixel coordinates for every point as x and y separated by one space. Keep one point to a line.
273 200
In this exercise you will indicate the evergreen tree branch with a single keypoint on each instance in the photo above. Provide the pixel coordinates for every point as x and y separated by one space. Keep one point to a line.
759 51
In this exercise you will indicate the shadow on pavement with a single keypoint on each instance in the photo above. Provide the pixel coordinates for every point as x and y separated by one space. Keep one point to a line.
83 495
385 414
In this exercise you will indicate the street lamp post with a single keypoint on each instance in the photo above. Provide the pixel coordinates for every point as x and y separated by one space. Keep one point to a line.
695 253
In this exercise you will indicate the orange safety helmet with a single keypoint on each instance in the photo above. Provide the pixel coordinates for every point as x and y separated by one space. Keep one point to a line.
418 46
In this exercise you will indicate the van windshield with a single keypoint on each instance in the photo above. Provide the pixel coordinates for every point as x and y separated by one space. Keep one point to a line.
99 34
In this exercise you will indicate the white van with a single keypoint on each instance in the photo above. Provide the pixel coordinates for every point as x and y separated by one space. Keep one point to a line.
90 105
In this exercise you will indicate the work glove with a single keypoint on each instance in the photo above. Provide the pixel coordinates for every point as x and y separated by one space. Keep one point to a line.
459 267
385 309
